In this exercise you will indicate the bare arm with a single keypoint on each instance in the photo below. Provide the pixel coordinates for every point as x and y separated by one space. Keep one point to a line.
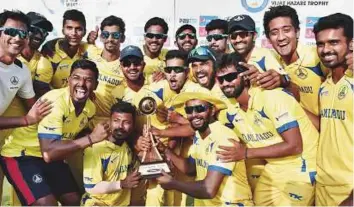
348 201
314 119
175 131
183 164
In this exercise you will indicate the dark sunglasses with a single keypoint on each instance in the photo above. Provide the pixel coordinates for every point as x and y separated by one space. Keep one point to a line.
13 32
228 77
128 63
183 36
156 35
176 69
106 34
243 34
196 108
37 30
216 37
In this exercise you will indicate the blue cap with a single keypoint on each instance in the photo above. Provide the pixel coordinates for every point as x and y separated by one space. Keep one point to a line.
242 22
131 50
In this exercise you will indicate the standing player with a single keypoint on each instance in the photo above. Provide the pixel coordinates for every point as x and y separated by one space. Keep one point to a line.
33 157
217 184
334 39
217 33
155 36
108 164
186 38
276 130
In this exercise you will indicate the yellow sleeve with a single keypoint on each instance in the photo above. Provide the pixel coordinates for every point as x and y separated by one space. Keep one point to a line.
271 62
191 151
52 125
93 167
282 110
44 72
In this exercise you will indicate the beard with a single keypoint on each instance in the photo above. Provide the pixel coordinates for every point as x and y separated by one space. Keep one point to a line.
119 134
237 90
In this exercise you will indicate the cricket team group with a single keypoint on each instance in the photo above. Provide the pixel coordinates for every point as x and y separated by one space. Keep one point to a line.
238 125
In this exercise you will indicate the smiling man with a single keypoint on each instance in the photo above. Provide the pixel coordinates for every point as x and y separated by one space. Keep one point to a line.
334 39
186 38
33 157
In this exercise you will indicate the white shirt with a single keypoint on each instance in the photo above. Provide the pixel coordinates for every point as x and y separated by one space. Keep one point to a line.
14 79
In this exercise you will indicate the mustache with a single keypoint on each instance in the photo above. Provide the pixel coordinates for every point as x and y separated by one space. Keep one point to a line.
328 53
118 131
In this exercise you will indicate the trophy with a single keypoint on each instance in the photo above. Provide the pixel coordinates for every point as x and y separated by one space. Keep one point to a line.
152 162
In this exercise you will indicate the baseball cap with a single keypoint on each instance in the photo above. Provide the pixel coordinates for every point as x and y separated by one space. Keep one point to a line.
201 53
184 27
131 50
242 22
40 21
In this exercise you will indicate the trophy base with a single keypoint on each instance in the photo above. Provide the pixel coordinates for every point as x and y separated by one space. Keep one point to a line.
153 169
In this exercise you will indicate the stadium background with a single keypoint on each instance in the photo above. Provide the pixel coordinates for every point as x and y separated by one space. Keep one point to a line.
176 12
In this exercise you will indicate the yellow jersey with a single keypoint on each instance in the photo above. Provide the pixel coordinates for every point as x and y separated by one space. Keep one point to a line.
106 161
264 121
335 151
307 72
263 59
61 123
110 76
154 64
56 69
234 188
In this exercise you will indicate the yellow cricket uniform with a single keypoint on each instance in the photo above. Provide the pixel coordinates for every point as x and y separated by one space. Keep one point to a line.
106 161
287 180
264 60
62 123
110 76
56 69
154 64
335 151
234 189
307 72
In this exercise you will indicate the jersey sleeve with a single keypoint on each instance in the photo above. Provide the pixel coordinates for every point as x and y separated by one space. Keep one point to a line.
52 125
191 151
26 91
282 111
271 62
45 71
93 167
215 164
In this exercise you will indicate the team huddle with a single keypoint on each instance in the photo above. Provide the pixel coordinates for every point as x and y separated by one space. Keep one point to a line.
238 125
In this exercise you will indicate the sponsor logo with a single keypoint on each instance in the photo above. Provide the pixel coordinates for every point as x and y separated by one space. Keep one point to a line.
254 6
14 80
284 115
187 20
310 22
343 92
50 128
202 32
294 196
37 178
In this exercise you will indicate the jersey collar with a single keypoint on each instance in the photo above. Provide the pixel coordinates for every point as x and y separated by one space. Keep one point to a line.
80 52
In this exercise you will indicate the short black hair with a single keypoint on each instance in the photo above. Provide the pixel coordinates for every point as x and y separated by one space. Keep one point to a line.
113 21
335 21
74 15
280 11
217 24
85 65
231 59
171 54
124 107
156 21
15 15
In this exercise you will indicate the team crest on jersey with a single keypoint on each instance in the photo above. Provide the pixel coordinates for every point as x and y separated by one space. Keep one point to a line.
14 80
37 178
343 92
301 73
257 119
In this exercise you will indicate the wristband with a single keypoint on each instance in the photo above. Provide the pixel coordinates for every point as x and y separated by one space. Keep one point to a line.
246 153
26 121
90 140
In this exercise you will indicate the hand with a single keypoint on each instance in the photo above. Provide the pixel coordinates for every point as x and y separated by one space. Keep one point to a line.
156 132
269 80
166 181
251 73
92 36
143 143
100 132
38 111
231 154
349 61
173 117
131 181
162 113
157 76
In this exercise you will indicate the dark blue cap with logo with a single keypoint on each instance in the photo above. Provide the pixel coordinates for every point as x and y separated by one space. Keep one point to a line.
242 22
131 50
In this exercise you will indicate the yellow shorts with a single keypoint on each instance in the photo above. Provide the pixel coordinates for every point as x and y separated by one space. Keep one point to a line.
331 195
254 168
281 185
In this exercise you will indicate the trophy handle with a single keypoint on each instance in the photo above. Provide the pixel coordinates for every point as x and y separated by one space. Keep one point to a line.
154 144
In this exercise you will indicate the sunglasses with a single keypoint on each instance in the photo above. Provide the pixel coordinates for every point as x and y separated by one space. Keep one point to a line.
37 30
156 35
201 51
183 36
13 32
228 77
243 34
196 108
176 69
106 34
216 37
128 63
